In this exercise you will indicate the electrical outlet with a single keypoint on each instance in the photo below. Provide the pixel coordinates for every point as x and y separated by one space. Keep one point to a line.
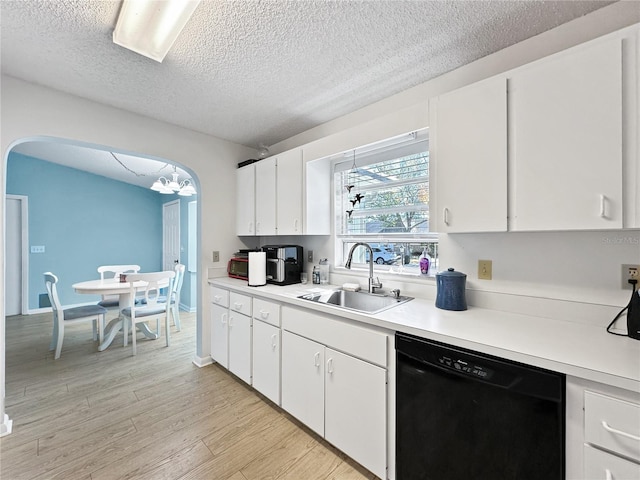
310 256
630 272
216 256
485 268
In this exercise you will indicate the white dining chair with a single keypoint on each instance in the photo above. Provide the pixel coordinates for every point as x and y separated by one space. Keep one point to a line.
150 308
114 271
65 316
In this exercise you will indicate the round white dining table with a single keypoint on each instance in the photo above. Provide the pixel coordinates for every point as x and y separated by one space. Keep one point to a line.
113 286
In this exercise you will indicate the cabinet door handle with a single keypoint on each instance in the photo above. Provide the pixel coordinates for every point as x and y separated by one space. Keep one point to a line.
610 429
330 366
445 215
257 227
250 227
603 203
316 359
230 321
273 341
223 318
264 314
609 476
295 225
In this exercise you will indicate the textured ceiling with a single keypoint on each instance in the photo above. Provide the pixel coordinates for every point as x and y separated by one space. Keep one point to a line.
258 72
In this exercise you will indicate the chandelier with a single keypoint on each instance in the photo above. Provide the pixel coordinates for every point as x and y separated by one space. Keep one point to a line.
165 186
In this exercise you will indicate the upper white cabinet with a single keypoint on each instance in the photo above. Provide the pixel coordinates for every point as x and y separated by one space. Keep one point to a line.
469 158
289 192
246 200
551 145
266 188
566 140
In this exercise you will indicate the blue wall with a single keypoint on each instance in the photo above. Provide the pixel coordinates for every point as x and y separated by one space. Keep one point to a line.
84 221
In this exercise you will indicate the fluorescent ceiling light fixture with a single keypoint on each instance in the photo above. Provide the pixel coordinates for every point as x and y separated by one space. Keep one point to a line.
150 27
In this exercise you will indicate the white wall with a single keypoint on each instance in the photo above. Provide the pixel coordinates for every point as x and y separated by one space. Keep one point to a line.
32 111
581 267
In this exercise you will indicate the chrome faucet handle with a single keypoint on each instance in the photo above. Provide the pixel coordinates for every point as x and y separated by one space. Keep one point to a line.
373 284
396 292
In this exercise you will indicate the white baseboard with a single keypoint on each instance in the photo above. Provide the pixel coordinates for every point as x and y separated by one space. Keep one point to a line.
202 361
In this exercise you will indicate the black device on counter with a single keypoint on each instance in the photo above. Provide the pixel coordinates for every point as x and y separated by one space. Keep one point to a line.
633 315
284 264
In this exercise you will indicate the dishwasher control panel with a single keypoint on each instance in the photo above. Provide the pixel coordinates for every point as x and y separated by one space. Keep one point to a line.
463 366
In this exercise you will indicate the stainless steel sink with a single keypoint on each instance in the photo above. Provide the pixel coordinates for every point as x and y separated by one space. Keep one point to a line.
358 301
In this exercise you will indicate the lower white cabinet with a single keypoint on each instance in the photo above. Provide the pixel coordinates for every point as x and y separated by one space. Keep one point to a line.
600 465
338 396
231 332
240 346
219 335
266 360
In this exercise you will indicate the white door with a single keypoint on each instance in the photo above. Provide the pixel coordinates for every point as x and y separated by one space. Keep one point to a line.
219 335
15 257
170 235
303 380
240 346
355 409
266 360
289 193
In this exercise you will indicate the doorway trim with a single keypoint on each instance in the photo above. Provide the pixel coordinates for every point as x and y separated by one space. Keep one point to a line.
24 247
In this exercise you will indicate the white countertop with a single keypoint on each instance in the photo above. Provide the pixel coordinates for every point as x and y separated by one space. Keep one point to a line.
572 348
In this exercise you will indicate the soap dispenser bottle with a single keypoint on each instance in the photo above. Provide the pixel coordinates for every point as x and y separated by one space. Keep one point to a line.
424 262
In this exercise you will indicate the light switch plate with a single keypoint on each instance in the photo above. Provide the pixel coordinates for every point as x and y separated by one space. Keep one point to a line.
630 271
216 256
37 248
485 268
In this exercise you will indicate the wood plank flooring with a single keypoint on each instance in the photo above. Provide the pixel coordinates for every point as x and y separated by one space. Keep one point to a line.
110 415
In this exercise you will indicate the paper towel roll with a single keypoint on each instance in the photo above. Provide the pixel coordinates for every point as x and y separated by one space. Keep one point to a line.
257 269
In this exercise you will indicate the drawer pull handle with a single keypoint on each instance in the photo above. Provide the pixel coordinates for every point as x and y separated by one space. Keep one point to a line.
608 428
264 314
608 473
237 306
217 299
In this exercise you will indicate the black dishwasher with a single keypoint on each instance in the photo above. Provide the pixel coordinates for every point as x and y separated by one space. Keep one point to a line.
464 415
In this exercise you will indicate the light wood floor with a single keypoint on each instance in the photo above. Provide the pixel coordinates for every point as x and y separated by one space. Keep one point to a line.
109 415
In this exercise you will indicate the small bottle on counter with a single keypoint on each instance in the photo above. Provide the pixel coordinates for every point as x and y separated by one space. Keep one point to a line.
316 275
324 271
424 262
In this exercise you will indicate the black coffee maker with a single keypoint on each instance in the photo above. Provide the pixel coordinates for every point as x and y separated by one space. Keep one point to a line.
284 264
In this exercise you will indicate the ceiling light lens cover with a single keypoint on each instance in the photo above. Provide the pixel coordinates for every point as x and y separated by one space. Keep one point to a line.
150 27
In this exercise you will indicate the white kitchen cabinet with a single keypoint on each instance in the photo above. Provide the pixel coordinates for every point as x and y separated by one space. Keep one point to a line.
303 380
355 408
339 396
231 331
266 360
289 192
265 195
266 349
468 157
245 200
220 335
566 156
240 345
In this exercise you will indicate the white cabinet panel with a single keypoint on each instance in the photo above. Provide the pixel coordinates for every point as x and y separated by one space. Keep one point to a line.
303 380
355 409
469 158
289 193
566 140
612 424
240 346
266 197
245 200
219 335
599 465
266 360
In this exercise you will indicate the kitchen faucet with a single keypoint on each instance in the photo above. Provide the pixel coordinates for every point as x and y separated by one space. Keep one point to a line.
373 284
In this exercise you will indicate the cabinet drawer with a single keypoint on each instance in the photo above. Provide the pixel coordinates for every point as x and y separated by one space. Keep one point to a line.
612 423
364 343
599 465
219 296
268 312
240 303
